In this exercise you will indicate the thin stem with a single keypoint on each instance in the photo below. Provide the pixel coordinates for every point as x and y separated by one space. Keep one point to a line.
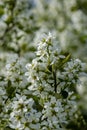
55 82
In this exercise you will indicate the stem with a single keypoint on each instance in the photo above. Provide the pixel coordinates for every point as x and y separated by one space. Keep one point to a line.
55 82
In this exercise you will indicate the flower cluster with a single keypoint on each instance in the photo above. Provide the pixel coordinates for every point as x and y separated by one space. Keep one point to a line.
50 75
40 96
23 115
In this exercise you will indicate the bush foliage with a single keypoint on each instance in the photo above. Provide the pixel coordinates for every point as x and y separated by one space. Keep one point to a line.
43 47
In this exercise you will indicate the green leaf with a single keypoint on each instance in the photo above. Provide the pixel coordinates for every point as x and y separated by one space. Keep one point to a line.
10 89
1 11
65 60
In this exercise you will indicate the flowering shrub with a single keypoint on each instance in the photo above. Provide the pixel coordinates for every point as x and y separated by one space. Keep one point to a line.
41 97
44 94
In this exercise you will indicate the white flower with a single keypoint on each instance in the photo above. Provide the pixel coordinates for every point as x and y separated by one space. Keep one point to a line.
8 66
28 66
